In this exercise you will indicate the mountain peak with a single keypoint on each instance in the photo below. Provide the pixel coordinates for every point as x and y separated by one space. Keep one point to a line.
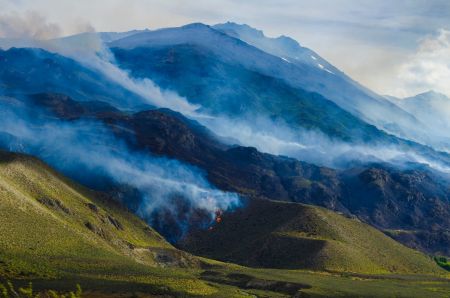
197 25
434 93
255 37
246 30
429 95
240 28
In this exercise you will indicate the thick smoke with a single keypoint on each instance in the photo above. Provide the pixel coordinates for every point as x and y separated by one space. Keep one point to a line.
89 50
31 25
86 150
262 133
255 130
313 146
252 130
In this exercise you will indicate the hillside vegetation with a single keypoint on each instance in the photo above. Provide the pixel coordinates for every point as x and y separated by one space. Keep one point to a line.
296 236
58 234
50 226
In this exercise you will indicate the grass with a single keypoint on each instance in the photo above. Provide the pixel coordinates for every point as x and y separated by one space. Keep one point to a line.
221 281
44 239
8 290
295 236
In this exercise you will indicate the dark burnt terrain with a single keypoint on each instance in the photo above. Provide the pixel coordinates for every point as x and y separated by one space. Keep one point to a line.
411 205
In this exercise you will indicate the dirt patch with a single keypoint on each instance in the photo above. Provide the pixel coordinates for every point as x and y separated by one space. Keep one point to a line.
245 281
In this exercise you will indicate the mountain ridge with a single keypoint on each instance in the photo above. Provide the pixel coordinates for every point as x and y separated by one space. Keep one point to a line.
311 79
380 194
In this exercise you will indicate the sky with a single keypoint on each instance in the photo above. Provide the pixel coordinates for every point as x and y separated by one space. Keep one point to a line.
398 48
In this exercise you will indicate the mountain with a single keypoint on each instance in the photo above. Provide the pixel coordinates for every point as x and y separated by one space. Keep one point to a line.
292 236
414 200
51 226
229 78
433 109
75 42
230 89
282 46
24 71
249 48
245 97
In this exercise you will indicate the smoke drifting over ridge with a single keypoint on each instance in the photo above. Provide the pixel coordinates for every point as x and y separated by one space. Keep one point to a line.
31 25
102 154
312 146
255 130
89 50
33 30
86 150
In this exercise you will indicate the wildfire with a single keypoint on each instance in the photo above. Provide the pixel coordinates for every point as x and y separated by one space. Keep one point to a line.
218 218
219 215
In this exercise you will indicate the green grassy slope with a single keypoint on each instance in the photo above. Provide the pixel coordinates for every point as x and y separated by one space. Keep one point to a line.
49 226
295 236
56 234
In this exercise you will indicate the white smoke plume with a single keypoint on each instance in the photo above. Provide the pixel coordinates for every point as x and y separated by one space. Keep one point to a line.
312 146
88 147
30 25
261 133
33 30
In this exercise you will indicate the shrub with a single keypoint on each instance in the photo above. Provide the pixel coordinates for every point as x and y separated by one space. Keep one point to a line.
443 262
8 291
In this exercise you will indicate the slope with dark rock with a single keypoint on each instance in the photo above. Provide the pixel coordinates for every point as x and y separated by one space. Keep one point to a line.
388 198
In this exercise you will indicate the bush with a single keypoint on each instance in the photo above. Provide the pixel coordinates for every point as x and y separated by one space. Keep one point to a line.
8 291
443 262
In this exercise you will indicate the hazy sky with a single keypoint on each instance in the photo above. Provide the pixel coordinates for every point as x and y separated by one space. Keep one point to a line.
392 46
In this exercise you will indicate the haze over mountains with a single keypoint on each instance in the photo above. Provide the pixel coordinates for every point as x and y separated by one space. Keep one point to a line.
191 126
432 108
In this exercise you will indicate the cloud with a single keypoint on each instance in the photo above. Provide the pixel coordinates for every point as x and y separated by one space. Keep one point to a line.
29 25
428 68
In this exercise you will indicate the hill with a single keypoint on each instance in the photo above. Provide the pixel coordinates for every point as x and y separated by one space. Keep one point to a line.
51 226
295 236
412 200
56 234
